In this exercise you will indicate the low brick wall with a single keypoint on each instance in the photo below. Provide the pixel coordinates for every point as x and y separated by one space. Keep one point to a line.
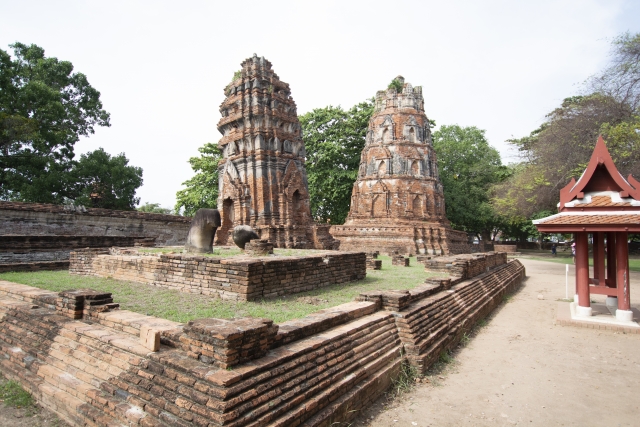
34 266
40 252
39 233
464 266
238 278
505 248
95 365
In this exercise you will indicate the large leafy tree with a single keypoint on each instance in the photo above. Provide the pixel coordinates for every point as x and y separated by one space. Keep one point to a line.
560 149
105 181
334 139
202 190
44 109
469 167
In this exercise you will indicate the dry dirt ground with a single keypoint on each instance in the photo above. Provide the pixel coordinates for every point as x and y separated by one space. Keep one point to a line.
522 369
33 416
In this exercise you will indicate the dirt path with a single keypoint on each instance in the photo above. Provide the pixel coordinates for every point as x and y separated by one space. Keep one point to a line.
521 369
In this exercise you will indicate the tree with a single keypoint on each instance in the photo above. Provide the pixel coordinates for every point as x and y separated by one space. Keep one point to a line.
469 167
334 139
621 79
103 181
44 109
154 208
202 190
561 148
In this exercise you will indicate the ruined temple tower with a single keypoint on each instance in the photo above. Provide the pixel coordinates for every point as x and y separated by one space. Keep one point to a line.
397 201
262 177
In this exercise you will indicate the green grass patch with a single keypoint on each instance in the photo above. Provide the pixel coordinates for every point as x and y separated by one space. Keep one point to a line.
182 307
405 381
12 393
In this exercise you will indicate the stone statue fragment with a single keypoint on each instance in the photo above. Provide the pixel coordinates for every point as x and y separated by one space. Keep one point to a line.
242 234
203 229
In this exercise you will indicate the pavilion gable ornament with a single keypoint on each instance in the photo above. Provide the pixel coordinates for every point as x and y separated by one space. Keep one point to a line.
600 162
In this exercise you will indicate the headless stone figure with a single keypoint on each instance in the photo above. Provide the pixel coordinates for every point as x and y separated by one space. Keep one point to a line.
203 229
242 234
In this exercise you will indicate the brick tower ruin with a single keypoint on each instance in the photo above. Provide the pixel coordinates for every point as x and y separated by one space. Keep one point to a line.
397 201
262 177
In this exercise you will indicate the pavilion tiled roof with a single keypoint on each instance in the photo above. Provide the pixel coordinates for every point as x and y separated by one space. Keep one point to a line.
600 201
590 218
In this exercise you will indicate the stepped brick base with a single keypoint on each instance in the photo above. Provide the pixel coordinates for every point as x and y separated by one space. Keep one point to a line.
466 265
405 239
317 371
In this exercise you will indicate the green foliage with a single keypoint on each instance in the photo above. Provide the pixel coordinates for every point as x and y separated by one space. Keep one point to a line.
396 84
12 393
334 139
106 182
44 110
561 148
202 190
405 381
469 167
154 208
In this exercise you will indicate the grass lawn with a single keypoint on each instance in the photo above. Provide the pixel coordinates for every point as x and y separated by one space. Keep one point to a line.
181 307
565 258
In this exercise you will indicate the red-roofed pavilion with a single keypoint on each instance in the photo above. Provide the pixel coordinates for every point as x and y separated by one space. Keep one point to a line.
606 205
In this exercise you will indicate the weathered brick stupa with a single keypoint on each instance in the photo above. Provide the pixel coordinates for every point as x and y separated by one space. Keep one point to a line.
262 177
397 201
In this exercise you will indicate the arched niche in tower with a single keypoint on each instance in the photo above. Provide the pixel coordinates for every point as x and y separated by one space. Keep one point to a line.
298 207
412 135
416 205
415 168
412 131
382 168
228 212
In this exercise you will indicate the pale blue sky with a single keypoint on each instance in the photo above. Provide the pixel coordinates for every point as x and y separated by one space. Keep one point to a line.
161 66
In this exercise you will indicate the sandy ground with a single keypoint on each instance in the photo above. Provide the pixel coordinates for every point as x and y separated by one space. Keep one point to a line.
522 369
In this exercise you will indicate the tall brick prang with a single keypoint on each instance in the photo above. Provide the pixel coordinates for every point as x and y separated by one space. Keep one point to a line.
397 203
262 177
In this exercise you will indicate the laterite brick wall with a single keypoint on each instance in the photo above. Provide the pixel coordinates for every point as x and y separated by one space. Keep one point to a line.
466 265
238 278
97 365
35 219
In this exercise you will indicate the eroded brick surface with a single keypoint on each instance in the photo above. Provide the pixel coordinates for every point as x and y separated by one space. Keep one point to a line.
316 371
241 278
397 202
263 180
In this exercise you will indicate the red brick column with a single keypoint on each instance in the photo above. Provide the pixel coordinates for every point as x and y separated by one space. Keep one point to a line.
611 259
622 258
582 273
598 257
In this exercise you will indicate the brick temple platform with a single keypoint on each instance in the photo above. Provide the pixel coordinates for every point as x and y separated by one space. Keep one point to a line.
96 365
237 278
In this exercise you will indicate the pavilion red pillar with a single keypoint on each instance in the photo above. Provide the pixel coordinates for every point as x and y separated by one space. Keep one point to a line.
611 260
598 257
622 258
582 274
